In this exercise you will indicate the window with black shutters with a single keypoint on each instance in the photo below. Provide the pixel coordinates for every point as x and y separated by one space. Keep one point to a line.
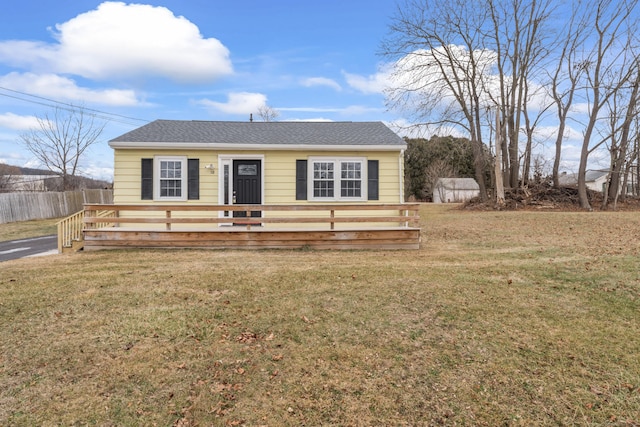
170 178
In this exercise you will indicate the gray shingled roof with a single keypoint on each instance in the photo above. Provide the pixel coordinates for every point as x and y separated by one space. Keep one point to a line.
458 183
267 133
572 178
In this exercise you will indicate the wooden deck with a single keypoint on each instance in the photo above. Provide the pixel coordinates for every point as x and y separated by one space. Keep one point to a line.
362 226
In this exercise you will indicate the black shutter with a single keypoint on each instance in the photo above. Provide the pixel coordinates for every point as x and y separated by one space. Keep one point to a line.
301 180
146 184
373 178
193 179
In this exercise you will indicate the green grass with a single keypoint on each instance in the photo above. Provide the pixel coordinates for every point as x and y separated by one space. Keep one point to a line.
510 318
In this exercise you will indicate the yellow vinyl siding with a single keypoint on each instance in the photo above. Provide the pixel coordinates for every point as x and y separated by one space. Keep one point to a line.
279 171
280 174
127 175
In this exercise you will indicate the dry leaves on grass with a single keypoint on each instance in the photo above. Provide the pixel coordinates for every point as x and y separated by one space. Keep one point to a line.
426 337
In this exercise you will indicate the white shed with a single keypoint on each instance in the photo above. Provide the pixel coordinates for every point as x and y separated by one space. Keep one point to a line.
594 179
455 190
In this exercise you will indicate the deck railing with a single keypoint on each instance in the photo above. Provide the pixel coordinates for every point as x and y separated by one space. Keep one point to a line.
353 226
70 229
397 215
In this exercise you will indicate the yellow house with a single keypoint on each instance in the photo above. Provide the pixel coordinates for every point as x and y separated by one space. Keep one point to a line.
215 162
326 185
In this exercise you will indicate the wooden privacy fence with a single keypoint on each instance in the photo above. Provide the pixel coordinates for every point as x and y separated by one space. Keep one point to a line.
29 206
353 226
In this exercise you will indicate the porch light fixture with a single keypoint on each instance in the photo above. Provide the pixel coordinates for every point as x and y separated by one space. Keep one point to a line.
210 167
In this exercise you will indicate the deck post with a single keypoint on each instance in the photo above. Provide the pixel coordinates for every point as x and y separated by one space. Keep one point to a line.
90 213
168 216
333 215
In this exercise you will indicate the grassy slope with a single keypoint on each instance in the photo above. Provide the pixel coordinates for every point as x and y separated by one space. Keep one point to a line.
511 318
25 229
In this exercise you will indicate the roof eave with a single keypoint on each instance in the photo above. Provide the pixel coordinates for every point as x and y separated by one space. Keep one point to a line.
278 147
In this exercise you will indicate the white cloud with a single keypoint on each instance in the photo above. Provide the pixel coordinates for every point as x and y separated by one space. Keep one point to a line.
10 152
238 103
357 110
33 163
581 108
374 83
418 74
16 122
316 119
98 172
63 88
571 134
125 40
321 81
311 109
20 53
350 110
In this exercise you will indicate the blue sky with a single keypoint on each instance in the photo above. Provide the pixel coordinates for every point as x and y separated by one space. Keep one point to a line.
194 59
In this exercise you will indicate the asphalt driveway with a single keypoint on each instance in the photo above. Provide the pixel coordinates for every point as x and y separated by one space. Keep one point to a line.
35 246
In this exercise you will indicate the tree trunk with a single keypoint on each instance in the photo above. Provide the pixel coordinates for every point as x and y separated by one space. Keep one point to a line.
556 160
619 156
582 175
498 164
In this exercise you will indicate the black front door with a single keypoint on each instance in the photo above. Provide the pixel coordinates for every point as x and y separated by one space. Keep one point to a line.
247 185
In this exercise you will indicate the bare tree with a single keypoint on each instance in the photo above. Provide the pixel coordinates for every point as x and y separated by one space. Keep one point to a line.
531 123
517 36
631 171
61 139
567 74
608 67
436 170
440 68
459 60
7 173
623 109
497 164
268 113
539 168
456 62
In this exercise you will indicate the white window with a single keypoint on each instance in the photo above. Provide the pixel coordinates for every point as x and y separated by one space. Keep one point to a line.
323 179
351 179
336 179
170 178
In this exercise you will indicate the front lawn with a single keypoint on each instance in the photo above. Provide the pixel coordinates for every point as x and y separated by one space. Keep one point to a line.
501 318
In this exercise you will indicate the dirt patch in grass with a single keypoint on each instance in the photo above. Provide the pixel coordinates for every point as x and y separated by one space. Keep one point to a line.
501 318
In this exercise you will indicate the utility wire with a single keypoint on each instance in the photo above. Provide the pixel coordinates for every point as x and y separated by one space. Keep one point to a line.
103 115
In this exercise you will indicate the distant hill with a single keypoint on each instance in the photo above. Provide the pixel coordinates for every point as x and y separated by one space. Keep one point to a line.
32 171
17 178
